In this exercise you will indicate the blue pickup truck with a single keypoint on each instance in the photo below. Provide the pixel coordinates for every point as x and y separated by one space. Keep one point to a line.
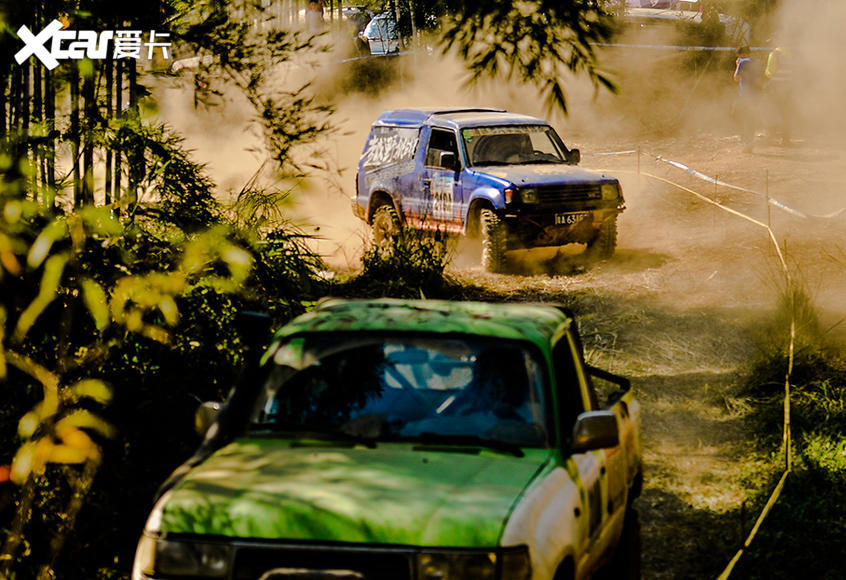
504 178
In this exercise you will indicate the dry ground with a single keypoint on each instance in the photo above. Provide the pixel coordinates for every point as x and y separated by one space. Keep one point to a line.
684 309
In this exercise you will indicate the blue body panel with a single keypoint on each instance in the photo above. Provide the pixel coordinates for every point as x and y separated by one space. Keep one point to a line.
429 197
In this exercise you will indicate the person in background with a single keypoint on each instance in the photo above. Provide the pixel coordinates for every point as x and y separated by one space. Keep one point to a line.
779 89
314 16
747 74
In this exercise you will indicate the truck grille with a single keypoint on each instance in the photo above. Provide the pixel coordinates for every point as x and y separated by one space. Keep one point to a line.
557 194
251 562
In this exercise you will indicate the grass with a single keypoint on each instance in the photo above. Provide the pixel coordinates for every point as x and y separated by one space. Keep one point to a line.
805 533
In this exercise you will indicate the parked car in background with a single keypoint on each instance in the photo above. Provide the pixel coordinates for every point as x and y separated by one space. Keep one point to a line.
356 17
380 36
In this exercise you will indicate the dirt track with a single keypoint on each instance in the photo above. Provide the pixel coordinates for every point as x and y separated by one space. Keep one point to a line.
683 309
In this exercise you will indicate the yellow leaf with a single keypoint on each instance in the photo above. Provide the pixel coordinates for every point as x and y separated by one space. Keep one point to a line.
50 280
84 419
93 389
76 438
155 333
41 247
2 337
101 221
22 463
31 457
28 424
97 303
67 454
169 310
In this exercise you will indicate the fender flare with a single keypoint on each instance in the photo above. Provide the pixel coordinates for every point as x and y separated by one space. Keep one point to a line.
377 198
482 195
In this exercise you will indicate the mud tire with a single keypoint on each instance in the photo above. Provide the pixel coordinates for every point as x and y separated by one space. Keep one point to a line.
605 243
385 228
494 237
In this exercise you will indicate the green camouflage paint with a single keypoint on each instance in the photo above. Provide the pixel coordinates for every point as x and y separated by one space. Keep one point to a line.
393 494
537 324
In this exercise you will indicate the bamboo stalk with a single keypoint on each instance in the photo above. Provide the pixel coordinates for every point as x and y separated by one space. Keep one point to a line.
74 115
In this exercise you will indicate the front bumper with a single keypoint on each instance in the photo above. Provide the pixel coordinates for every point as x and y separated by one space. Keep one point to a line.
529 229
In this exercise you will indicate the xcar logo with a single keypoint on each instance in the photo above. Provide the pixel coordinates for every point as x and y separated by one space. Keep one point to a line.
84 44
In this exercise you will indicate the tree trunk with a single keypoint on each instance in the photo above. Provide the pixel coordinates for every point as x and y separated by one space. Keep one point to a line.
50 115
119 112
4 84
107 193
90 110
38 118
74 115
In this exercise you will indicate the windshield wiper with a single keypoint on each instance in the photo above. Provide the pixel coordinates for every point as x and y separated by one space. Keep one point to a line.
545 161
299 432
470 440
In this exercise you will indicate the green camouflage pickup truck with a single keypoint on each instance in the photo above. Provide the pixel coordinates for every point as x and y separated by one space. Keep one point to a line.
407 440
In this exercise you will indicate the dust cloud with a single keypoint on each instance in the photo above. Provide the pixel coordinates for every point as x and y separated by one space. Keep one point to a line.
679 105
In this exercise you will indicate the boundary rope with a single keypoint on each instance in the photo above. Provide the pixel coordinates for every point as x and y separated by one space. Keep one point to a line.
786 433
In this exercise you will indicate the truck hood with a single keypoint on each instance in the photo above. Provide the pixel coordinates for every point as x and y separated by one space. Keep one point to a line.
540 174
260 488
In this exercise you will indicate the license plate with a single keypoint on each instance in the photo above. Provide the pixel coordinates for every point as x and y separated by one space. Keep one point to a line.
568 219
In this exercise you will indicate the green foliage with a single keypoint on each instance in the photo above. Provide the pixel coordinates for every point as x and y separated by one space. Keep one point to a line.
112 335
535 41
805 532
413 267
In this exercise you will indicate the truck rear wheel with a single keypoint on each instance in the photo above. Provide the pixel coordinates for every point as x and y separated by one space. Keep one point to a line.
493 241
603 245
386 228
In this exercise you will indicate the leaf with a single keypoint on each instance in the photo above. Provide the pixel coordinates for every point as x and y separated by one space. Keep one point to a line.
92 389
2 338
28 424
97 303
7 257
82 419
168 308
100 220
68 454
47 292
31 458
22 463
42 244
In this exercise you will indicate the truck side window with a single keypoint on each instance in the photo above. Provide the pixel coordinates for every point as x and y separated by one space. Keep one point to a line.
441 141
569 393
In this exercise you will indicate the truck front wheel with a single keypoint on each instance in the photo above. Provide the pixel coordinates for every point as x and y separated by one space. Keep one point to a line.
603 245
494 236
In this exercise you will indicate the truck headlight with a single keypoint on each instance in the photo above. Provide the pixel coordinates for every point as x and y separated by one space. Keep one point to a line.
610 191
159 556
529 195
504 564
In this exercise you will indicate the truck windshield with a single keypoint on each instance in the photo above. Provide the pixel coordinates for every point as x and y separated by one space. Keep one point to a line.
512 145
396 388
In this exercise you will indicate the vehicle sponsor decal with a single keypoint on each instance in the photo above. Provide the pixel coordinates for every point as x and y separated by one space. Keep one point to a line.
388 145
471 132
442 196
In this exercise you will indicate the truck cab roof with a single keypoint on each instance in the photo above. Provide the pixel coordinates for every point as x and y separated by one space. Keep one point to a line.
454 117
533 322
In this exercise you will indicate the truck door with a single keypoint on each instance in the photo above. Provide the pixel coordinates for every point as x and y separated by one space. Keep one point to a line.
574 396
440 186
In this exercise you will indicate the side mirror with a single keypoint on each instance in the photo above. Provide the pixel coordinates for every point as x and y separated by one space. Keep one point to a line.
575 156
595 430
205 417
447 160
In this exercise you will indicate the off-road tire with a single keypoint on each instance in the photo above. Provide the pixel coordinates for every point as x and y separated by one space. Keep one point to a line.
603 245
494 238
385 227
